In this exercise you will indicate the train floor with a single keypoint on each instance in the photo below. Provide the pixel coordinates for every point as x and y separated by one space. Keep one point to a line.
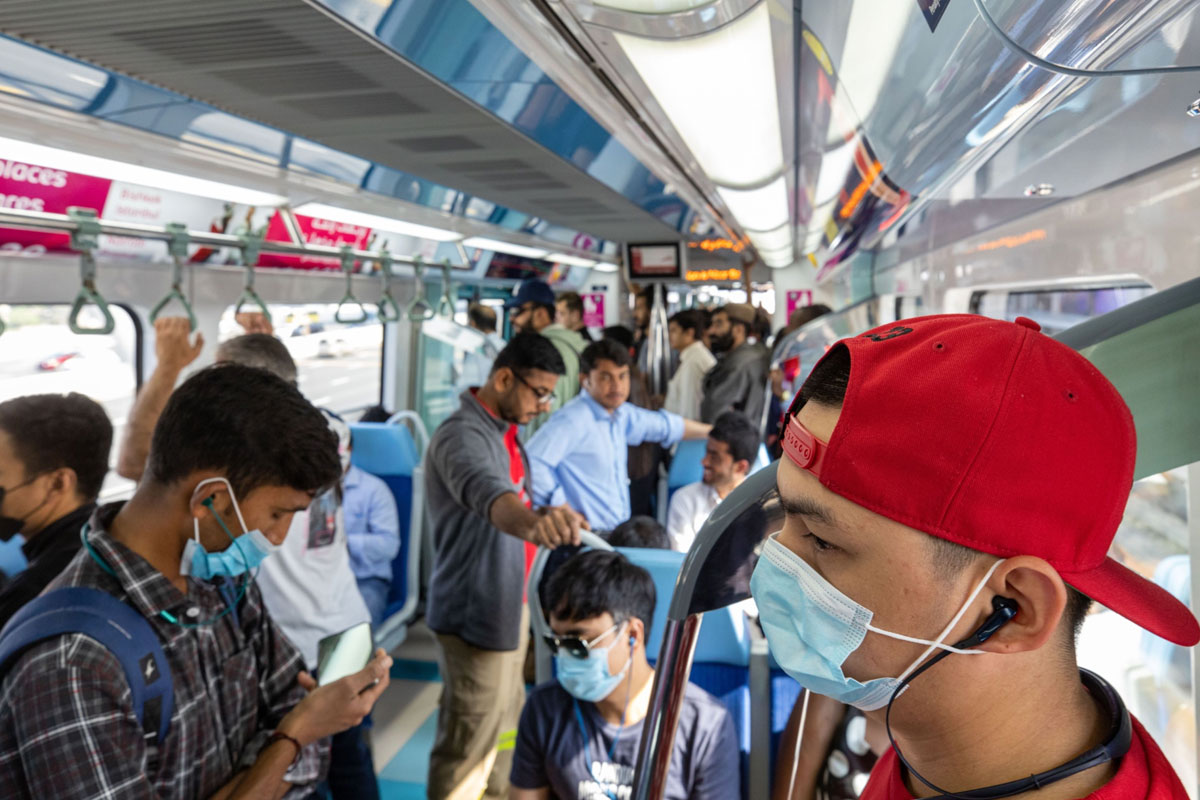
405 718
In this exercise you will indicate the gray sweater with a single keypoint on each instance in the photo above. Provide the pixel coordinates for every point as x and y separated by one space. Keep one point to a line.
477 585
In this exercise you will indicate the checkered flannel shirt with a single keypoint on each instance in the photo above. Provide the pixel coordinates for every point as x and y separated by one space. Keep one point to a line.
67 726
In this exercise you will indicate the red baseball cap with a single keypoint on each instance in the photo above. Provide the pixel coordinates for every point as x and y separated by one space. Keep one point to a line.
992 435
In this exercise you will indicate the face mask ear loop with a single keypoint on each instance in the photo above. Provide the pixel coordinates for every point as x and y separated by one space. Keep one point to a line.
799 740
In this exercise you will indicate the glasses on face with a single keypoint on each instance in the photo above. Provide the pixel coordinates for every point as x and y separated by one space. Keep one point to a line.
575 646
544 397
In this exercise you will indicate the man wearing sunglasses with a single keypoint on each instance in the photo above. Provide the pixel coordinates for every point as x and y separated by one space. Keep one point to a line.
532 310
952 485
484 534
578 737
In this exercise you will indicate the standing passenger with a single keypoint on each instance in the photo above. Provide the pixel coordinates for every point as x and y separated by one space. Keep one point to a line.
569 307
480 512
53 459
686 389
532 309
483 319
739 380
581 454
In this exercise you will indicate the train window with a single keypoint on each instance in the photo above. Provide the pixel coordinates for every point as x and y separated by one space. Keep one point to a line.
340 365
40 355
452 358
1057 309
1151 674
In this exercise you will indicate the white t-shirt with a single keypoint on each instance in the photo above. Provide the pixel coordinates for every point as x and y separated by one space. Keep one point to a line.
689 508
686 388
307 584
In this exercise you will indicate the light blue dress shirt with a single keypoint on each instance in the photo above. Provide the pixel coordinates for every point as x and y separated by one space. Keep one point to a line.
372 524
580 457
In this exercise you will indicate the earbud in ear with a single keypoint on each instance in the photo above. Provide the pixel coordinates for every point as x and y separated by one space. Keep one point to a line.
208 501
1004 609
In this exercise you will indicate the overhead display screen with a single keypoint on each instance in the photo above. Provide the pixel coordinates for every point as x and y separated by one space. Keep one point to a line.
655 261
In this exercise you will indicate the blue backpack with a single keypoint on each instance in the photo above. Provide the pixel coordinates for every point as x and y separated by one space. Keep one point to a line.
114 624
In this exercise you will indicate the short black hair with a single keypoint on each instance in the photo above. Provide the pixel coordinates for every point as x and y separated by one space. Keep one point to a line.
738 434
572 300
527 351
690 319
640 531
248 424
596 581
376 414
260 350
53 431
826 385
484 318
619 333
604 350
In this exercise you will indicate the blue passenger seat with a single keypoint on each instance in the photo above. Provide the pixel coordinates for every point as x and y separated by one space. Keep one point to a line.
388 451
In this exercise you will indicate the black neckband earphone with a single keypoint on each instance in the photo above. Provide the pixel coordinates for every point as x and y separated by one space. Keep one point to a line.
1115 744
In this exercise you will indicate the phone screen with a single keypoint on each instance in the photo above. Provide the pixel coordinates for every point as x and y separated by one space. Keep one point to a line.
344 653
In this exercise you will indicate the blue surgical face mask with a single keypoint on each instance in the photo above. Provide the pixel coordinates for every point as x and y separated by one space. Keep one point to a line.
812 628
244 553
590 679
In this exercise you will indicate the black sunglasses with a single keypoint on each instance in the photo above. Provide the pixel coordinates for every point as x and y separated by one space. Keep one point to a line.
575 646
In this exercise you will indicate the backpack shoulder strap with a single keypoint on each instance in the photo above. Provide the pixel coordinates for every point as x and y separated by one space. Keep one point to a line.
114 624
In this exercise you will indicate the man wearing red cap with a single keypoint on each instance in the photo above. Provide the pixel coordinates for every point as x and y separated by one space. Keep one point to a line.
952 486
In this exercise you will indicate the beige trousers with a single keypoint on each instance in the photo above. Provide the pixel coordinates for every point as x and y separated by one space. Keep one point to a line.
482 695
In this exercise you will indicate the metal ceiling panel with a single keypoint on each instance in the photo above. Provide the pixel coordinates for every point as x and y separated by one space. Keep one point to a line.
296 67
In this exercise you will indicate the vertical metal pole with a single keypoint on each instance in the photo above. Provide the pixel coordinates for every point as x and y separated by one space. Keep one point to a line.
760 719
666 701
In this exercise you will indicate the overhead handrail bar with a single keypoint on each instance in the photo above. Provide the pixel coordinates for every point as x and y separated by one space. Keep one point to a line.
348 298
251 245
177 246
419 301
446 303
85 237
63 223
389 309
418 426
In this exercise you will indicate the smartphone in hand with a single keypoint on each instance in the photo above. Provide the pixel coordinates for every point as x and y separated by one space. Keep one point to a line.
344 653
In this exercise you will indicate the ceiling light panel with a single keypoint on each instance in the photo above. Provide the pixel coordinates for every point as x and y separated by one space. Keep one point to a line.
778 239
737 60
497 246
762 209
575 261
15 150
352 217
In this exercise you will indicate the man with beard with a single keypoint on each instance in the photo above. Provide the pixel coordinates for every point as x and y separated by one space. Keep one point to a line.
739 380
480 511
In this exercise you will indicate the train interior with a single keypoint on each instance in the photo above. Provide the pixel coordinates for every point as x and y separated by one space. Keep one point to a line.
363 170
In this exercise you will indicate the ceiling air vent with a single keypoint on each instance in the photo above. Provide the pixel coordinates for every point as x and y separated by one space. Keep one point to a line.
370 104
490 165
573 205
437 144
308 78
219 42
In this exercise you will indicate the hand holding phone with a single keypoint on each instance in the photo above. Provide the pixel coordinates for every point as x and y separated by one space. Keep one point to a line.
344 653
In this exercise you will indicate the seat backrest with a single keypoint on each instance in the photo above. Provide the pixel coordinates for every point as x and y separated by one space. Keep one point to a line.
685 464
389 452
761 460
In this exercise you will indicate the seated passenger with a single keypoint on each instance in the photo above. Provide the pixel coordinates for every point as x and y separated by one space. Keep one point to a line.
640 531
372 534
732 448
375 414
235 454
53 459
579 736
579 456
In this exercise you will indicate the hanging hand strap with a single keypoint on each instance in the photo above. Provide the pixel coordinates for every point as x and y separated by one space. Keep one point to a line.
389 309
446 304
349 298
419 309
177 246
85 238
251 246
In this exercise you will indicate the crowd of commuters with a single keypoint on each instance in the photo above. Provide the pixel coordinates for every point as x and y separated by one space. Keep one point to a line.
250 537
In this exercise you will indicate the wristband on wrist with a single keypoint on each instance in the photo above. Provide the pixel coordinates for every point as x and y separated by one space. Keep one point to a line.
279 736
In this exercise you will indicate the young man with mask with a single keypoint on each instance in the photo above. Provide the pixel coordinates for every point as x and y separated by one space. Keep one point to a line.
952 486
578 738
532 310
235 454
739 380
732 448
580 455
53 459
485 532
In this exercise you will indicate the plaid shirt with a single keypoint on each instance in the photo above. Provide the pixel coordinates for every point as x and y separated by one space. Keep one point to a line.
67 727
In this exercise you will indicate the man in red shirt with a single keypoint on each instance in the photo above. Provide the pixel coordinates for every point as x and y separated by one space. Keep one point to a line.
952 486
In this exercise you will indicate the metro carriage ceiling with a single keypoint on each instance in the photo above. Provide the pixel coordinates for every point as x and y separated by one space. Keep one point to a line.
896 124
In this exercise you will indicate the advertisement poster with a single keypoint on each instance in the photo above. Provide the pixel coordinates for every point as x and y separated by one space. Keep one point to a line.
593 310
31 187
314 230
798 298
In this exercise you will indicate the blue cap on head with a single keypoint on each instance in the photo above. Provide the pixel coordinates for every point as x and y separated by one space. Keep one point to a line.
532 291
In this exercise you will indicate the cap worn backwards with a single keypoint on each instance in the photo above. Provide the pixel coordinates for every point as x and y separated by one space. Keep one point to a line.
992 435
